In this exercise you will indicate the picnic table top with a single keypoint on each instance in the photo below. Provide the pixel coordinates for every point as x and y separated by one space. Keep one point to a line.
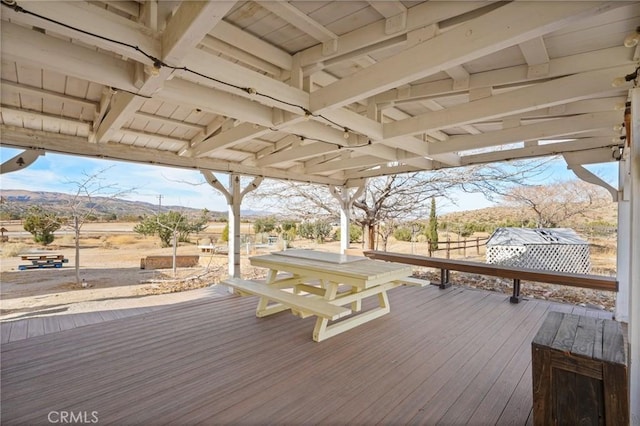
353 270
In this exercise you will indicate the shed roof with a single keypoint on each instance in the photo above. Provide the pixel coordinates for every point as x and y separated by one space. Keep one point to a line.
525 236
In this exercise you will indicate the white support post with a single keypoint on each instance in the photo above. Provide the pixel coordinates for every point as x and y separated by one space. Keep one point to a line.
345 239
346 201
234 227
234 200
634 255
623 260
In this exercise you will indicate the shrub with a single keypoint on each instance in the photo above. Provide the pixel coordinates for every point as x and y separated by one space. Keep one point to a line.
13 249
402 233
355 234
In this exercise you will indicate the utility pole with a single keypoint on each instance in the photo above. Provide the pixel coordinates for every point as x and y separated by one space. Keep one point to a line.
159 202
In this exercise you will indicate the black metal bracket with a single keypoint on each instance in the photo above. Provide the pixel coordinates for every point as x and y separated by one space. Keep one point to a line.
516 291
444 279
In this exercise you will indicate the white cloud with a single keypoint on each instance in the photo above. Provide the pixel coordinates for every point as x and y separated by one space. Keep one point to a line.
53 172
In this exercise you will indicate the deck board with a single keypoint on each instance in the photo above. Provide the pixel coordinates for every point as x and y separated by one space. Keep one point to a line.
452 356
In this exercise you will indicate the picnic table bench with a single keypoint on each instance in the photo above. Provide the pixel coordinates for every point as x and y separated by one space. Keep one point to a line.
310 287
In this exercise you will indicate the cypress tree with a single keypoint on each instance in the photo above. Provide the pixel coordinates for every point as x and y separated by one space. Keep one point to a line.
433 226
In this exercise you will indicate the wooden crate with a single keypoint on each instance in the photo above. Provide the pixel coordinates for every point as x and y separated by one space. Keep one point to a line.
580 372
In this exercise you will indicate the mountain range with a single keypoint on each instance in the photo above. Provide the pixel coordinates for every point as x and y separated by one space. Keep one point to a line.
17 201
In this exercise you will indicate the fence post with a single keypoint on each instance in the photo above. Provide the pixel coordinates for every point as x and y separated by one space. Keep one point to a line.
448 247
464 247
478 245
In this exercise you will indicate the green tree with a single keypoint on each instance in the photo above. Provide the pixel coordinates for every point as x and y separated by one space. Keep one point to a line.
264 224
433 226
289 230
41 224
355 234
225 233
318 230
402 233
171 225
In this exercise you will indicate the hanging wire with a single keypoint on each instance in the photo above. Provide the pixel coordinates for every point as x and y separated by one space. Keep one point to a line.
158 64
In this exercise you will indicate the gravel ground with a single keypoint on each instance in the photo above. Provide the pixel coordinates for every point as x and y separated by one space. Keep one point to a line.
110 265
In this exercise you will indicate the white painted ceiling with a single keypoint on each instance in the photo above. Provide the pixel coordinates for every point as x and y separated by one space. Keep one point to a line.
320 91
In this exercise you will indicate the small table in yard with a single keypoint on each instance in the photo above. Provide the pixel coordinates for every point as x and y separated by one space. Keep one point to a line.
315 281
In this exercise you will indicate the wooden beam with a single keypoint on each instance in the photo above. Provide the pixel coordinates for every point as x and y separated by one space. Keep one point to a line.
578 145
189 25
90 19
296 153
558 67
191 22
548 129
35 118
535 51
184 93
33 48
361 39
388 9
395 14
504 27
10 86
286 11
243 132
237 76
234 52
550 93
251 44
74 145
168 121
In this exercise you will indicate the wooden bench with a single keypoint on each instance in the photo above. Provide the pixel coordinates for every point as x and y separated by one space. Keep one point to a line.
594 282
296 302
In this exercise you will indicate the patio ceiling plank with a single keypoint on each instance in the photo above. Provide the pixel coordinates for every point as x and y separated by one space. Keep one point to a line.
504 27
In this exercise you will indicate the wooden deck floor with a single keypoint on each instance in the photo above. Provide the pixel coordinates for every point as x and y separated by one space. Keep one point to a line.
452 356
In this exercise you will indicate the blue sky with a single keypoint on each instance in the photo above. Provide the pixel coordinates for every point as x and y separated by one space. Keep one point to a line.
180 187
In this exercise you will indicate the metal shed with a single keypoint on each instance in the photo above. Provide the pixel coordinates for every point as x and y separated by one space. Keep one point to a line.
557 249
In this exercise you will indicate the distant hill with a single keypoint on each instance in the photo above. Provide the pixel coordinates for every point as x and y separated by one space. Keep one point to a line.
17 201
516 216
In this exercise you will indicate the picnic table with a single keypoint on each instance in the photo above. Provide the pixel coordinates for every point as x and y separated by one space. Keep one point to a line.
42 260
330 286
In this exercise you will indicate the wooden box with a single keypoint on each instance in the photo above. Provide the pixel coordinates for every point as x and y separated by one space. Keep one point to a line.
580 372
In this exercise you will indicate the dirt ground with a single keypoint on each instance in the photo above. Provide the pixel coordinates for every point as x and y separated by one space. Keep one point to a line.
110 265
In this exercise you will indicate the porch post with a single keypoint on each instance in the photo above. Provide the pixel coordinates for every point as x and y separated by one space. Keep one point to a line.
346 201
234 200
234 226
623 260
634 255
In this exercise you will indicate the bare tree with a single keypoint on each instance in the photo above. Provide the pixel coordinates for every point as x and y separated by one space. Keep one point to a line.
171 227
393 198
554 204
92 194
